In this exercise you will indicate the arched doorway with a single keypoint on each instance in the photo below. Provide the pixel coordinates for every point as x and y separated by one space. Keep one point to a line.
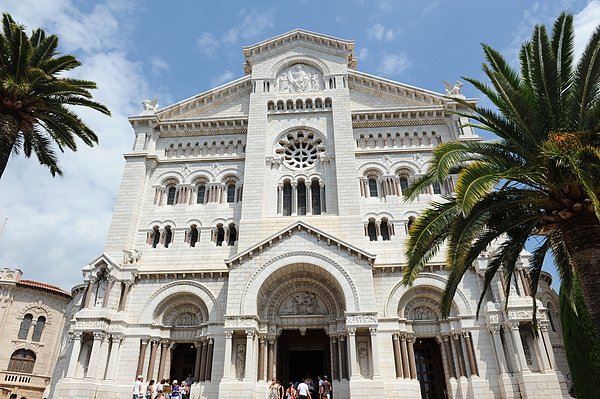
302 308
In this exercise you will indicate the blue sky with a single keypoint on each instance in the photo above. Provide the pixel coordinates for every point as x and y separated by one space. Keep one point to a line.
175 49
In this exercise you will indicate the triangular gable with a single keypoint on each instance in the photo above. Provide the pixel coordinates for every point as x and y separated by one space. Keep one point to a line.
345 48
363 85
209 102
126 271
293 228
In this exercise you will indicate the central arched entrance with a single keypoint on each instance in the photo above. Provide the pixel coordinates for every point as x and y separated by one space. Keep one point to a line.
303 354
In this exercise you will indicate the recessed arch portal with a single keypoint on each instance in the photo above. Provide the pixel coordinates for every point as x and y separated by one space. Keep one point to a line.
320 266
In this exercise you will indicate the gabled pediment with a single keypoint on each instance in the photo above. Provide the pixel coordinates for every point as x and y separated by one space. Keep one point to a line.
295 228
341 47
125 271
230 98
368 91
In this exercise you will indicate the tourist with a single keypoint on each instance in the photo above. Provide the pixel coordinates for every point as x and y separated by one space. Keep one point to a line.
150 390
167 389
185 390
175 390
311 386
303 391
290 393
189 380
275 389
325 388
137 387
160 389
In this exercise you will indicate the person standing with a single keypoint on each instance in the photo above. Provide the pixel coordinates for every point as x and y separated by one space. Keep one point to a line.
290 393
303 391
160 389
325 388
150 390
137 387
175 390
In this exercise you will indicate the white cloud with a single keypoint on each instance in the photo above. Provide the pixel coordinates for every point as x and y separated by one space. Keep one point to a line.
158 65
394 64
362 54
385 5
57 225
253 25
207 44
585 24
223 78
380 32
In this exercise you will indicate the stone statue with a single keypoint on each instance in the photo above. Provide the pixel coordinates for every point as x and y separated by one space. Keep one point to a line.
453 89
298 78
423 313
131 256
363 360
150 106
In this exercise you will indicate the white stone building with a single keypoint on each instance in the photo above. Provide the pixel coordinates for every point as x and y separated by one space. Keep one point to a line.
258 232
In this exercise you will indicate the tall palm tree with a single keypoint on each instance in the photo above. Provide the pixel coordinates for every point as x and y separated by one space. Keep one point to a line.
540 178
35 97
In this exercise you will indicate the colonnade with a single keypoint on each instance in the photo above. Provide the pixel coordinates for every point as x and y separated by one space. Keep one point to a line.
104 357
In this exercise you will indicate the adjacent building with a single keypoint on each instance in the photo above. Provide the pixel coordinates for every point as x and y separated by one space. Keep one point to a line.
258 232
31 327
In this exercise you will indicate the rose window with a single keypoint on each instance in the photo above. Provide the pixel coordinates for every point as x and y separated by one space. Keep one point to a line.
300 149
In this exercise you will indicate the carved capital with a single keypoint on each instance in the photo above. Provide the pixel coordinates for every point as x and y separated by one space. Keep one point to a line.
228 334
373 331
351 332
99 336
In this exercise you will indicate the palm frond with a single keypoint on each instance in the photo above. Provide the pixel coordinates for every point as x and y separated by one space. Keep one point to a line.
585 79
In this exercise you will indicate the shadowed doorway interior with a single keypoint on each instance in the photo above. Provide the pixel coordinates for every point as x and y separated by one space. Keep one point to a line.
430 372
301 355
183 361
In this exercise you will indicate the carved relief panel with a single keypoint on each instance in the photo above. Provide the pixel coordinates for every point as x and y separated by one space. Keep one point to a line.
299 78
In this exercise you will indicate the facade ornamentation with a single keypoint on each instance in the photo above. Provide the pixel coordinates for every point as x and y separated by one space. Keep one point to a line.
299 78
361 319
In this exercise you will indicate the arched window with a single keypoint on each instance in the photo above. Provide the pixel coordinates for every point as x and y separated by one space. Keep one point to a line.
171 195
315 194
193 235
403 185
301 190
168 236
25 324
232 235
231 192
220 235
287 198
373 187
437 189
22 361
201 194
39 327
385 229
155 236
550 313
372 230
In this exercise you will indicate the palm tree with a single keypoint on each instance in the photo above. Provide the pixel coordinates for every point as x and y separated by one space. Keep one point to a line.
540 179
35 97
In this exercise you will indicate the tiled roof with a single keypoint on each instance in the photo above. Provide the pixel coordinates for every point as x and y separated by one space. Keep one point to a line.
44 286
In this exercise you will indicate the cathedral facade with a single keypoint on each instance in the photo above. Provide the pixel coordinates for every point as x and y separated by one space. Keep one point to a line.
259 232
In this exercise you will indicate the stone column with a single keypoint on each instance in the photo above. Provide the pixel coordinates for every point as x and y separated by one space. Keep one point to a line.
204 354
275 347
397 356
460 372
449 356
142 356
95 366
249 355
308 199
294 198
209 357
89 293
280 199
518 344
270 359
495 331
163 359
411 358
404 346
343 357
109 287
334 359
113 360
227 359
153 345
545 363
354 367
374 352
197 374
470 352
74 354
463 355
261 358
548 345
124 297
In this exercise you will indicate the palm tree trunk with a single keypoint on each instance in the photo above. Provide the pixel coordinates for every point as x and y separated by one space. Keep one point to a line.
582 239
9 129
